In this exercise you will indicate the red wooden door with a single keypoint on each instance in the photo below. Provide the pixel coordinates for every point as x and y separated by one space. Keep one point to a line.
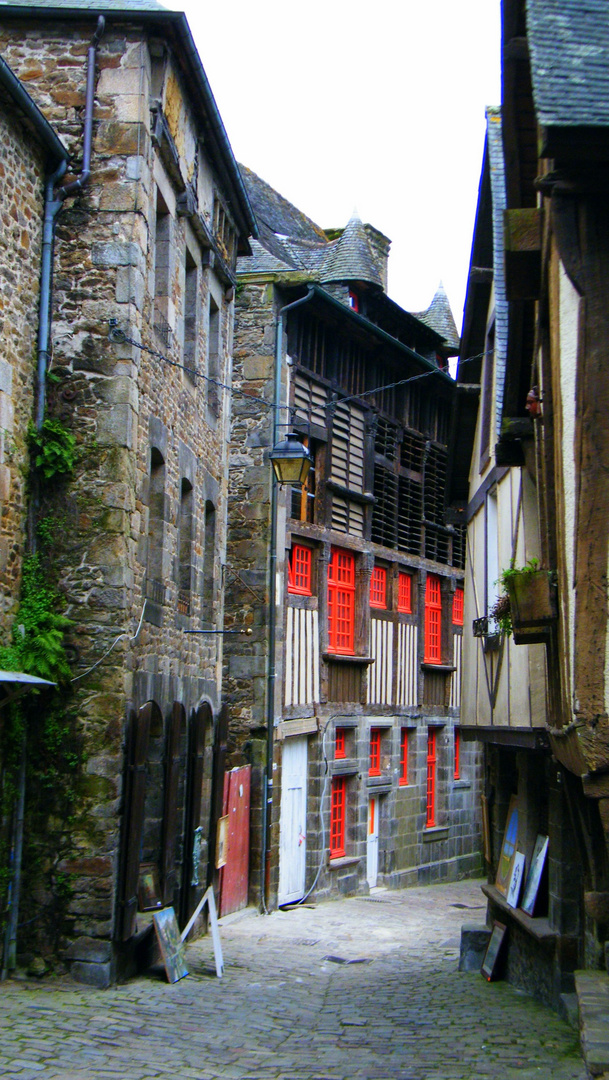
234 876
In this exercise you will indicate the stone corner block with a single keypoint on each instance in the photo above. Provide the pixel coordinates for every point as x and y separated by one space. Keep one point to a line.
98 975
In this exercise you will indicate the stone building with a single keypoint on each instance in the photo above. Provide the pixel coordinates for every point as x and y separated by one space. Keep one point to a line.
351 722
137 368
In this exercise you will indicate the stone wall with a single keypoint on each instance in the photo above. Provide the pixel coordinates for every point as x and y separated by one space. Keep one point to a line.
129 408
21 203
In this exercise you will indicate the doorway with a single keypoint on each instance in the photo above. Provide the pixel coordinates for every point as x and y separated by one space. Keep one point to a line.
372 845
293 821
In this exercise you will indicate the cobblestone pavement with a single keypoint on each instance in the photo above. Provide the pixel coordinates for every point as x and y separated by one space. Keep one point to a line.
390 1005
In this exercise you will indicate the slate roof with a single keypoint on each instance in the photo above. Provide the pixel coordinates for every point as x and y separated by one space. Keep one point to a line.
279 215
88 5
497 178
569 48
440 318
351 257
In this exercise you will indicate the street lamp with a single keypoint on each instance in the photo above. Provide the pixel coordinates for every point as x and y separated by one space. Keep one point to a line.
291 460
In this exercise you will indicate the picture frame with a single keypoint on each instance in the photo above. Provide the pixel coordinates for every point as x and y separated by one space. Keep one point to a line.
508 848
538 861
222 842
173 949
516 879
489 967
148 889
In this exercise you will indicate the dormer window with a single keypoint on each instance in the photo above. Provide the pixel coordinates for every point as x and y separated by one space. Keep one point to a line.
353 300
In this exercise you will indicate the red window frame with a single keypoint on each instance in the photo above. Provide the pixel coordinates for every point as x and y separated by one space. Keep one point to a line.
300 570
457 738
403 781
341 602
339 743
433 620
430 818
337 817
378 588
375 752
458 607
405 593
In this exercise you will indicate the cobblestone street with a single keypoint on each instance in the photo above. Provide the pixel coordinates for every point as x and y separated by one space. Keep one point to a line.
389 1005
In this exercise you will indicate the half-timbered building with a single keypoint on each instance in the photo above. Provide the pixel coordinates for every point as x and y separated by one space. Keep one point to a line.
351 723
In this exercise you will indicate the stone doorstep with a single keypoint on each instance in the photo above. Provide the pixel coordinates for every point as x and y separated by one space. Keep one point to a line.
592 989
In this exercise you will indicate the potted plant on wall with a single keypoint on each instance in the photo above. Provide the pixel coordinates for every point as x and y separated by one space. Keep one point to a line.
527 605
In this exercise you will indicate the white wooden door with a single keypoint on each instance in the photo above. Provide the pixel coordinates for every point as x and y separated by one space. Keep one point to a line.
293 821
372 849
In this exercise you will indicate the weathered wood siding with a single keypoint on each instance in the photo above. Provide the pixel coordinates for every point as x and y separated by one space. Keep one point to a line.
301 657
407 664
380 673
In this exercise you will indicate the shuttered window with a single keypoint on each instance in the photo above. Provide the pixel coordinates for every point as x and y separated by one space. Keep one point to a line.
347 451
341 602
433 620
337 817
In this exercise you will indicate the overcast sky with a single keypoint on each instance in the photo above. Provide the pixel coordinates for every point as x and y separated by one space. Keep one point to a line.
374 106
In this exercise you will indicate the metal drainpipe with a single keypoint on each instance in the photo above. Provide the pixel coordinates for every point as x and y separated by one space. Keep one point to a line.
267 804
52 205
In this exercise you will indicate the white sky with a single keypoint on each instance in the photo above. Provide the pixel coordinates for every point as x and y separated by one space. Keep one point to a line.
374 106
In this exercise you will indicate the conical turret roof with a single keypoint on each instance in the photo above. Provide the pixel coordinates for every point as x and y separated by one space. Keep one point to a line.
351 257
439 317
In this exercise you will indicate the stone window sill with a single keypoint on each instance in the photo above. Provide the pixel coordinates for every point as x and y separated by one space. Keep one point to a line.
461 785
438 832
345 860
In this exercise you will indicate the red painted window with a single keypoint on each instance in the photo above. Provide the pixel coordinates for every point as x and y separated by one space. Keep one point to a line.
403 757
341 602
431 778
375 752
339 745
299 570
457 753
433 620
405 593
337 817
378 588
458 607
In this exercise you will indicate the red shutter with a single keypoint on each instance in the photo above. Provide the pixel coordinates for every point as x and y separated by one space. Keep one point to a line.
403 757
458 607
299 572
431 779
337 817
341 602
378 588
457 753
405 593
433 620
375 753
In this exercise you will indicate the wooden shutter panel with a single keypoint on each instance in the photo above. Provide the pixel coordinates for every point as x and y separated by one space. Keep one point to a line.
170 802
199 721
136 754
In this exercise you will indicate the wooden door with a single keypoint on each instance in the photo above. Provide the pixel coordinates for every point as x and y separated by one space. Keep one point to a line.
235 874
293 821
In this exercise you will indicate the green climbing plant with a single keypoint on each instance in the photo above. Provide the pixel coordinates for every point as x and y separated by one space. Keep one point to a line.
53 448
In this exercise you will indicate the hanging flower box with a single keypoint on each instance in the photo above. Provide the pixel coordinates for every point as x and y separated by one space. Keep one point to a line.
533 607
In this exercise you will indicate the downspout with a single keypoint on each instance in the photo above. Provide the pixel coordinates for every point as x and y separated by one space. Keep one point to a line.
53 203
267 804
